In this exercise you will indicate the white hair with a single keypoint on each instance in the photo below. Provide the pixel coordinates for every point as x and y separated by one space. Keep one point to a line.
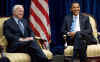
16 6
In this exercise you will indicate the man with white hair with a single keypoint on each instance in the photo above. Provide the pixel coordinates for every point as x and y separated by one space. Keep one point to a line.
20 37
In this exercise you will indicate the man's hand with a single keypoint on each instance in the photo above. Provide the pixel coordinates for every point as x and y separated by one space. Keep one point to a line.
72 34
26 39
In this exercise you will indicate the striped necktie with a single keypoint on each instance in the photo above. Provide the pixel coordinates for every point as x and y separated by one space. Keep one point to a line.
21 26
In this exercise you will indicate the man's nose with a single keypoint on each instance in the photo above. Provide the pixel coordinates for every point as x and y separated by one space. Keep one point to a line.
76 9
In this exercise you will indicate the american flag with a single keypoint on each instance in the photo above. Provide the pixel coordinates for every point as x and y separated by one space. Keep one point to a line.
39 18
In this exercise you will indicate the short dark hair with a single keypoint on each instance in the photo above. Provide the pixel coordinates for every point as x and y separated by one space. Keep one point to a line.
74 2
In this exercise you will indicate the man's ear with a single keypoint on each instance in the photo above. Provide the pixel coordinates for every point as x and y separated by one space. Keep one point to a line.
71 9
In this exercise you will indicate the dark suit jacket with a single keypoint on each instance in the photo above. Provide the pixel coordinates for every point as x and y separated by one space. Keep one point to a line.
85 27
12 33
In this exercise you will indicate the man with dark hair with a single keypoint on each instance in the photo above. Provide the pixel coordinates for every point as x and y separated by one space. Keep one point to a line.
79 32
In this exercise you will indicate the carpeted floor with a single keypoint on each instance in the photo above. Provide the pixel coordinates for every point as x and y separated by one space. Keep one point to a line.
61 58
58 58
93 59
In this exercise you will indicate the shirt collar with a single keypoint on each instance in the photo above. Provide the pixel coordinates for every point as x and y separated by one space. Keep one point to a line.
76 16
15 19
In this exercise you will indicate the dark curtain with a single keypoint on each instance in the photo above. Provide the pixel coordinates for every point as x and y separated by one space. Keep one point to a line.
58 9
6 7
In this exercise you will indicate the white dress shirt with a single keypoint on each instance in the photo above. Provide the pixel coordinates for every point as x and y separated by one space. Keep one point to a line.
75 24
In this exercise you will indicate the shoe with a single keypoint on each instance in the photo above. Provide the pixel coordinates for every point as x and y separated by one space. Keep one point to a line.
85 60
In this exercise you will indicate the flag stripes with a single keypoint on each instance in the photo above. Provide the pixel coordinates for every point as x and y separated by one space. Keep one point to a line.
39 18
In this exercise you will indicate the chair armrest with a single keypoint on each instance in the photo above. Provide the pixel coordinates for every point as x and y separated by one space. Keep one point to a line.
2 51
37 38
98 33
1 48
3 43
42 42
64 37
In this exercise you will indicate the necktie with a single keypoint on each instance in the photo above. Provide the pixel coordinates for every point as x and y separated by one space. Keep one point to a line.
21 26
73 24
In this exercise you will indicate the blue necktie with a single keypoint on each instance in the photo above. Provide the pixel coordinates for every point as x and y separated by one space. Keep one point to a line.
73 25
20 24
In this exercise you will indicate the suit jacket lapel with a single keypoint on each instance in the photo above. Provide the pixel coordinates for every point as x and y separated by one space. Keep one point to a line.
70 22
80 21
16 26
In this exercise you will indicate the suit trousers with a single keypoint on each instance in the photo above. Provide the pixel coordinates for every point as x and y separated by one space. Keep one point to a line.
36 52
32 48
80 47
